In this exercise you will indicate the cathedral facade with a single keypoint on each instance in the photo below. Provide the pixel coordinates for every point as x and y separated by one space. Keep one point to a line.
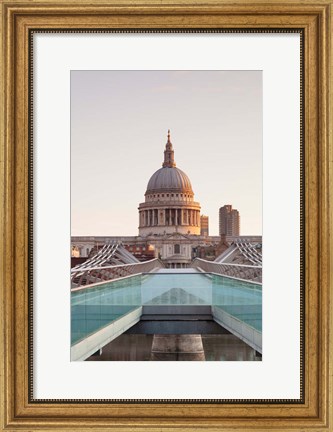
169 205
169 217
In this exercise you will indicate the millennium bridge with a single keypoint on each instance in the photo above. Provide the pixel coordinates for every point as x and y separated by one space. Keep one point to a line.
113 293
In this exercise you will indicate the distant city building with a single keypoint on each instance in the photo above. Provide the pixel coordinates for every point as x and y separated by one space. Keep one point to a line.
141 251
229 221
204 225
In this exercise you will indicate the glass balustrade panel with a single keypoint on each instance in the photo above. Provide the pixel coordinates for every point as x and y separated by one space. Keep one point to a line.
240 299
93 308
186 289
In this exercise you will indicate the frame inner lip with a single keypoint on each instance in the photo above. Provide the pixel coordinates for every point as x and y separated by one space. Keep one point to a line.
31 398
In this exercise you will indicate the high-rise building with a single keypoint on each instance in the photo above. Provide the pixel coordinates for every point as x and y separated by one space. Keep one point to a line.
229 221
204 225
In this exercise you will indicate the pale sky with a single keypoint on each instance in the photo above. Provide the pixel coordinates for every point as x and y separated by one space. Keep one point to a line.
119 124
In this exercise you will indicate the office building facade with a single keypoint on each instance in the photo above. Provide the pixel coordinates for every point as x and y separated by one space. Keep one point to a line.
229 221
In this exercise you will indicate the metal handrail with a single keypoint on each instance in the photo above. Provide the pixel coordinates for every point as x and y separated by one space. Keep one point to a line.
114 266
98 274
241 271
226 264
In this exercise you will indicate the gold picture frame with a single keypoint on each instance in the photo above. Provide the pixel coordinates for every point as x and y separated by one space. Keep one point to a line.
18 410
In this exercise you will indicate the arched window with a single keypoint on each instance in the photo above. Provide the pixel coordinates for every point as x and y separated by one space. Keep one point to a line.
177 248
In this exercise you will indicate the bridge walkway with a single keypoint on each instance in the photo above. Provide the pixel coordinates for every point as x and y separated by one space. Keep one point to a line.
102 312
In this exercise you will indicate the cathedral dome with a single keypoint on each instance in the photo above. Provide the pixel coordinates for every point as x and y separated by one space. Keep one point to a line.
169 179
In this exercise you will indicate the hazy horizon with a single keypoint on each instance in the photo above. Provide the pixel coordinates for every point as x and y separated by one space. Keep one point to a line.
119 124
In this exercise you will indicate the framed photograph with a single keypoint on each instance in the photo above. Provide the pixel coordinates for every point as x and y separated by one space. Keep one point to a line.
166 216
173 290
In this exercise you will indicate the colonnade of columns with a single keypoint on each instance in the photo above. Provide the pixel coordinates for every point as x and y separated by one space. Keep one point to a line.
177 265
169 216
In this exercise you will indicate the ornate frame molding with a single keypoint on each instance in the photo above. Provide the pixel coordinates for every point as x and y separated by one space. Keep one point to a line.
314 18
